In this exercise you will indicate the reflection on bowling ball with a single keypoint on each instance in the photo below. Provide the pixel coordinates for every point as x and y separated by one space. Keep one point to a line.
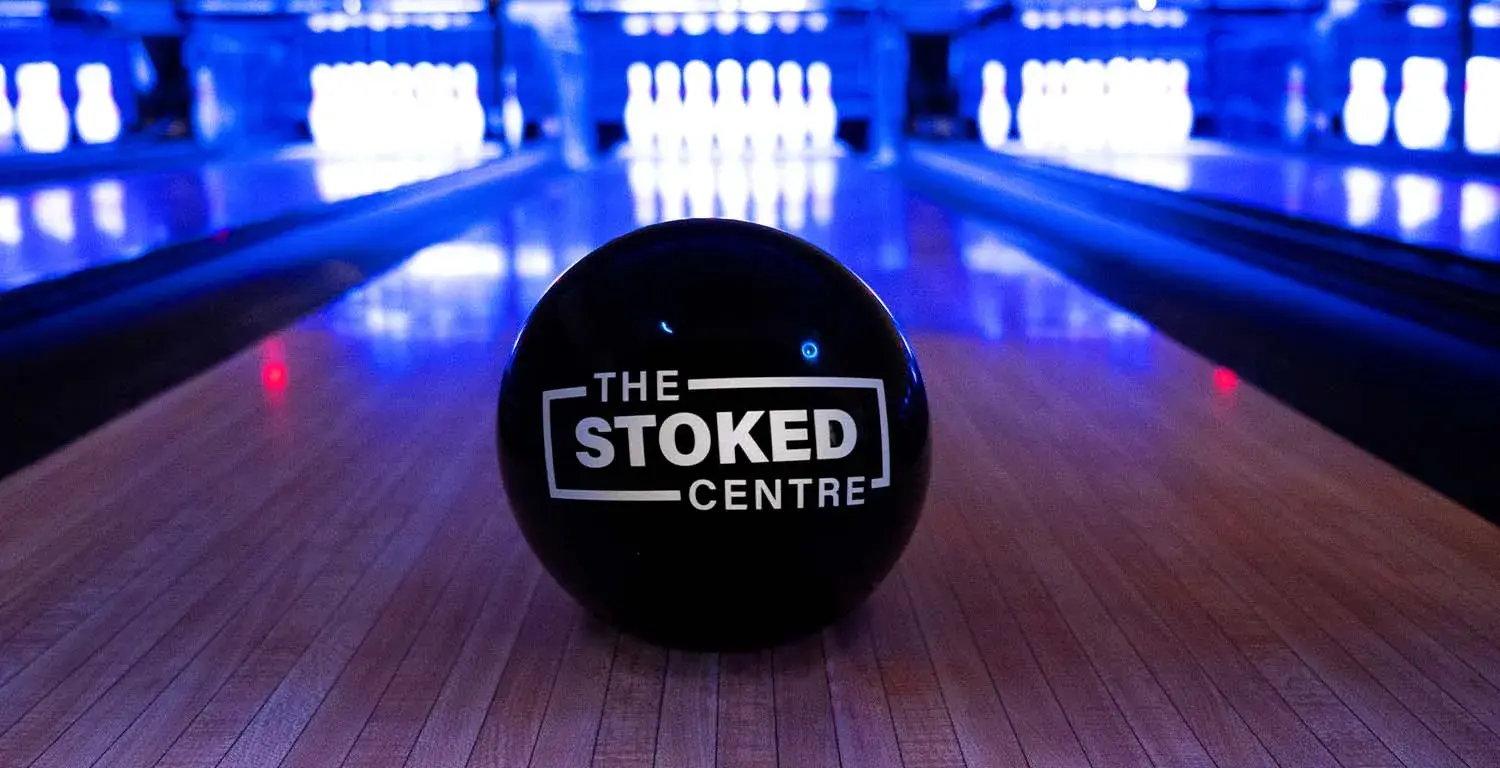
713 435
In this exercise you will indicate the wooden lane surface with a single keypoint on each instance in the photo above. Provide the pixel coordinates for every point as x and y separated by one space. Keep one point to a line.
1117 567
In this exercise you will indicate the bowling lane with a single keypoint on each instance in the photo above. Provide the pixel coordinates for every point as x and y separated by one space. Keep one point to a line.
52 230
1128 556
1452 213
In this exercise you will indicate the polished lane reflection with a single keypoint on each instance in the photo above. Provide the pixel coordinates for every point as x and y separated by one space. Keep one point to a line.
54 230
937 269
1447 212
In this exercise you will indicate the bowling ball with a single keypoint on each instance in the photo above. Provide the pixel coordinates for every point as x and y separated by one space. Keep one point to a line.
713 435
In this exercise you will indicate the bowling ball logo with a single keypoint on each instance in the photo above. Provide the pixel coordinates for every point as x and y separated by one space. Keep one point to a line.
733 443
713 435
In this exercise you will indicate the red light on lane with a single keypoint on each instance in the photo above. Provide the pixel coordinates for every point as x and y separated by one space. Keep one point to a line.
1225 380
273 375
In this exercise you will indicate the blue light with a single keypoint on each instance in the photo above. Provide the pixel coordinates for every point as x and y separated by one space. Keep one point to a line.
666 327
809 350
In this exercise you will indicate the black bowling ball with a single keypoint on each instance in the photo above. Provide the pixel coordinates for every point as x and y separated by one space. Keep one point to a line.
713 435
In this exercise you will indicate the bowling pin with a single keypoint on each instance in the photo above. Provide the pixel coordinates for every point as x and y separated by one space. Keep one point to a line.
208 112
407 124
1028 109
381 139
1367 110
698 109
729 110
1053 106
318 115
7 113
822 112
512 119
1096 104
668 109
1423 112
432 119
1294 117
1481 115
1117 104
1178 103
42 119
97 116
1071 120
791 108
760 79
472 119
640 128
994 110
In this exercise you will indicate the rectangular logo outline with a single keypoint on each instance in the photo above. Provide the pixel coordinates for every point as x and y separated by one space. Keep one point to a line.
750 382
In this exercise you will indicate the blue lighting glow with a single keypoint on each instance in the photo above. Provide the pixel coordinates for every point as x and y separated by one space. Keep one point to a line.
666 327
809 350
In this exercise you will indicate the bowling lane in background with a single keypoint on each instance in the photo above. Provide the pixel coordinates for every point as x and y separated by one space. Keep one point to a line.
1454 214
317 567
51 230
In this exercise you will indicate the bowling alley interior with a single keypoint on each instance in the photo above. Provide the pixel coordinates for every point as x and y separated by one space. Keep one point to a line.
720 383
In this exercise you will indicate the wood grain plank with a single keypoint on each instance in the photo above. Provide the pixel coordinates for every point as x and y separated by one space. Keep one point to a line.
804 715
513 721
452 725
688 733
747 722
571 726
924 732
980 719
239 611
861 714
632 706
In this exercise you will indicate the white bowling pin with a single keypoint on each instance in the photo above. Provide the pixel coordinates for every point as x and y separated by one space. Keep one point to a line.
760 79
208 112
668 109
791 108
1072 105
1029 108
822 112
698 108
640 126
406 125
512 118
730 112
318 114
42 120
1423 112
1117 105
1367 110
7 112
381 119
1053 106
1294 116
1481 113
1178 103
993 117
1096 105
96 115
471 111
432 117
